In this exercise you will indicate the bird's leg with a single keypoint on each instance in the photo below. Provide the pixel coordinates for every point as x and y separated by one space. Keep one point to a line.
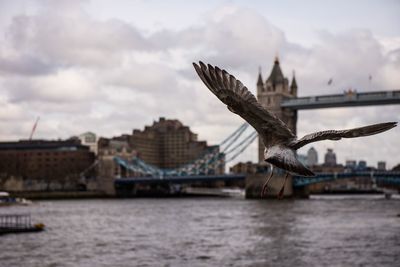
264 188
280 194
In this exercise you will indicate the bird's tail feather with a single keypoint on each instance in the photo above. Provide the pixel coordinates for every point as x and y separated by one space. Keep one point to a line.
285 158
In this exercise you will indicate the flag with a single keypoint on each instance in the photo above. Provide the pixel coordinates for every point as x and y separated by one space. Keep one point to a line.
370 77
330 81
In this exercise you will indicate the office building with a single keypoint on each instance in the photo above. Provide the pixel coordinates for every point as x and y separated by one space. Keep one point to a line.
330 158
312 157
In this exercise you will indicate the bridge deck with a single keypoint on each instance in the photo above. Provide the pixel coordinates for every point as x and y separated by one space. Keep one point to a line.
180 179
298 181
348 99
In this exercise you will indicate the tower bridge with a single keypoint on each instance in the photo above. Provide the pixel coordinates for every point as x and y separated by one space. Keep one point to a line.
279 97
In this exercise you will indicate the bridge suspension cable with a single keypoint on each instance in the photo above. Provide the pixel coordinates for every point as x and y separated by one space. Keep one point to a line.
238 130
242 142
246 144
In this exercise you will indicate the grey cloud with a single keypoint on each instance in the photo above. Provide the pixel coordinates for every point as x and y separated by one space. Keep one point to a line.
24 65
74 40
62 87
349 58
143 77
394 56
238 40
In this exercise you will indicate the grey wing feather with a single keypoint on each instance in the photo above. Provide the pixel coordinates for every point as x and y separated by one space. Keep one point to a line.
339 134
243 103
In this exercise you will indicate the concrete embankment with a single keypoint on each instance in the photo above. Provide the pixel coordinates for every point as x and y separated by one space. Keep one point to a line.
61 195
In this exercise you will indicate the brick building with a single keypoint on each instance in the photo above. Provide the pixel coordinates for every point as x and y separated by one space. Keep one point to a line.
167 144
50 162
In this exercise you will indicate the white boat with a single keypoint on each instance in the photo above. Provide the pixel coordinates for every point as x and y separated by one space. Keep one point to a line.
7 200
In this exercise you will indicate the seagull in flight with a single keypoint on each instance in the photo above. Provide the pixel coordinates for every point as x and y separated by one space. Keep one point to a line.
279 141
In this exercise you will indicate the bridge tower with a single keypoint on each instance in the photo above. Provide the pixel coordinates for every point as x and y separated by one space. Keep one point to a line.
271 93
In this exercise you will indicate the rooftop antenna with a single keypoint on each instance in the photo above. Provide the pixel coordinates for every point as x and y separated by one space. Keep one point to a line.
34 128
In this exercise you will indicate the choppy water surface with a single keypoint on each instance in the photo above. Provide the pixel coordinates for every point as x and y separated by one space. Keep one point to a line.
208 232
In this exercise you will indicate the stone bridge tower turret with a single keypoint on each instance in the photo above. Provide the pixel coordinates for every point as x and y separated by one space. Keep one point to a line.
271 93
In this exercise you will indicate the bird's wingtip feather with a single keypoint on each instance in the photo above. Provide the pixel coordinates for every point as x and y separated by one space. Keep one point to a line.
198 69
391 124
201 63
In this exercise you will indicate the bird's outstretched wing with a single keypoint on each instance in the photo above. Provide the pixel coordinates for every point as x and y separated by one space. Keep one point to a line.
337 135
243 103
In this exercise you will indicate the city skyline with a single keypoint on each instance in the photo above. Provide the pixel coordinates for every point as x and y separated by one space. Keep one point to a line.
320 159
98 67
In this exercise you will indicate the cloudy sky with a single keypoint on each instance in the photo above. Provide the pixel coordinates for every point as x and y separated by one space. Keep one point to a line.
112 66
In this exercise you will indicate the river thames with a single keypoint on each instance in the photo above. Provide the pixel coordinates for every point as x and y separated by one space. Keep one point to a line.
207 232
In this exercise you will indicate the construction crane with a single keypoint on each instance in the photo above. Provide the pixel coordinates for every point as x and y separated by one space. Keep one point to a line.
34 128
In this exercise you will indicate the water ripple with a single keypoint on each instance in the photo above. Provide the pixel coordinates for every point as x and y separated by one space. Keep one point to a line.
207 232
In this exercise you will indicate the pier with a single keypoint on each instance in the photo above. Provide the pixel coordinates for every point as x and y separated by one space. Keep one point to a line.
18 223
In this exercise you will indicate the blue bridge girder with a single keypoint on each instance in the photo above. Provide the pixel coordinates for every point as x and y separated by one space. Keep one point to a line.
347 99
179 179
392 178
384 177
